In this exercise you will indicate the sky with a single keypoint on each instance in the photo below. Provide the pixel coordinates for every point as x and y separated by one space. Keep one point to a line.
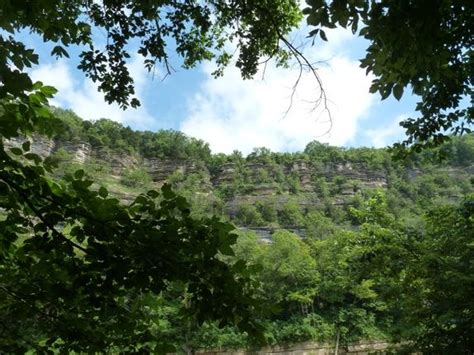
234 114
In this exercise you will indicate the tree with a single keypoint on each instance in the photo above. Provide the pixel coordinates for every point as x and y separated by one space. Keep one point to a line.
75 263
199 29
289 273
439 281
422 45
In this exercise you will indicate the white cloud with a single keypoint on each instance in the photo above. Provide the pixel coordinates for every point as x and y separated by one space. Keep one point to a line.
384 136
230 113
82 97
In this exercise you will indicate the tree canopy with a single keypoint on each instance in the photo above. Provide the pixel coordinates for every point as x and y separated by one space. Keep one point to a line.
425 46
417 45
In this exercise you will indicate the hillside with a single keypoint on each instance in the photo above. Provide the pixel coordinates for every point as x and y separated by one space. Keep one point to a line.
264 191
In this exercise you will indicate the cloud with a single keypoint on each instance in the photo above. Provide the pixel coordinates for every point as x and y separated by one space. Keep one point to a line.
81 95
230 113
383 136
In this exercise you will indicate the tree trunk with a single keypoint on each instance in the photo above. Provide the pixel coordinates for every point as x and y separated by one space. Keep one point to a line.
336 350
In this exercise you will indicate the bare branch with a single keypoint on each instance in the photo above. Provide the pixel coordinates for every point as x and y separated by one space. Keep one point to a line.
303 63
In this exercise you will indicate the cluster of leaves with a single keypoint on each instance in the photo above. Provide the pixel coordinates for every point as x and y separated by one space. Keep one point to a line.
413 44
198 31
77 265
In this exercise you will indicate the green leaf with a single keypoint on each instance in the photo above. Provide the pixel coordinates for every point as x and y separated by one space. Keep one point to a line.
103 192
35 157
398 91
16 151
59 51
79 174
167 192
26 146
322 34
49 91
153 193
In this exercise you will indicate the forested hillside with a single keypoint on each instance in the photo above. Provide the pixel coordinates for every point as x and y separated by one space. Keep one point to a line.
263 189
342 243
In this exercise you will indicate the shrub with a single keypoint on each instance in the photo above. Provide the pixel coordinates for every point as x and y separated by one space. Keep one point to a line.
136 178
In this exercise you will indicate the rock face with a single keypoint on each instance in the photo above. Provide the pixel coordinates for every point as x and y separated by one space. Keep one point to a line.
304 172
39 145
264 181
119 164
265 233
161 169
264 177
226 174
81 152
312 348
368 178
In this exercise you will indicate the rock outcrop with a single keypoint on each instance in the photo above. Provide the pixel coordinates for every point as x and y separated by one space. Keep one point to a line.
39 145
367 177
80 152
161 169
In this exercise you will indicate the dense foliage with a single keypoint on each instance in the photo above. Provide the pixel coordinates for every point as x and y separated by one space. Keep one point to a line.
423 46
78 267
342 260
82 271
112 136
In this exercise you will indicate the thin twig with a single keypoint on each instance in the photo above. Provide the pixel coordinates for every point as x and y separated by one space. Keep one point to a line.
304 62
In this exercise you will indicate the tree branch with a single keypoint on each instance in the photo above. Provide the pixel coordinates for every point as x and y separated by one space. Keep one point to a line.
304 62
38 214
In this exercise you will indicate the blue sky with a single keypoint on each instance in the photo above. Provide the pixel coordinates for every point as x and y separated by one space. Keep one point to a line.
230 113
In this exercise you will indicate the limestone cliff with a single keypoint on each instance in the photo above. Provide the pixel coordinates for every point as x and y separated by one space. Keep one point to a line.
309 184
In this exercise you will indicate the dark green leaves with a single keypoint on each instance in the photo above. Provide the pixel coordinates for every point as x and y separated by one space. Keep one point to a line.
16 151
26 146
79 174
398 91
59 51
412 45
103 192
84 260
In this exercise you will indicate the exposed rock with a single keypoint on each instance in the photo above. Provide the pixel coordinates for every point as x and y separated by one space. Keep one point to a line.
232 206
42 146
119 164
301 168
80 152
348 191
225 175
367 178
161 169
265 234
312 348
265 189
413 173
39 145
